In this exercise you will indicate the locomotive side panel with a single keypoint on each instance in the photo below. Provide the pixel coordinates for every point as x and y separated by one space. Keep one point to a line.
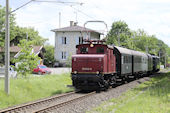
150 63
140 62
126 64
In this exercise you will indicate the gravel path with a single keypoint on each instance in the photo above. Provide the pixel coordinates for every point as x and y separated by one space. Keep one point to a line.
95 100
60 70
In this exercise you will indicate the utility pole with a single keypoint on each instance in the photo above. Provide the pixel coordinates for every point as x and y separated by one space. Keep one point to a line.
7 49
59 19
119 37
165 60
146 49
76 16
27 36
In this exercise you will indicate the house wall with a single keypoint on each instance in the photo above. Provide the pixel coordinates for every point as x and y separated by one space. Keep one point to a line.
72 39
95 35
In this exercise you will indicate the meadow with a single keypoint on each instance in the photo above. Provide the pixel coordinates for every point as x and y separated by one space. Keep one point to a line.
23 90
149 97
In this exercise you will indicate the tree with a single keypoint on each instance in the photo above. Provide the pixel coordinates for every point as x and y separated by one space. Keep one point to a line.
27 60
119 31
18 33
27 33
49 55
138 40
2 25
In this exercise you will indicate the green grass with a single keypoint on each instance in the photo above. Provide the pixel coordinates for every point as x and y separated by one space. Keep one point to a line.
23 90
149 97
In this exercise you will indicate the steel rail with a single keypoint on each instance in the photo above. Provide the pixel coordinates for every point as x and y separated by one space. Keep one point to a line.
48 109
25 106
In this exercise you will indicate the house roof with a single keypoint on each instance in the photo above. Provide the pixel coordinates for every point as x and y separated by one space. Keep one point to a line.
16 49
74 28
13 49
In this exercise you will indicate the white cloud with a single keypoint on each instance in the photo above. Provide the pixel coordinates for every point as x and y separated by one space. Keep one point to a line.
153 16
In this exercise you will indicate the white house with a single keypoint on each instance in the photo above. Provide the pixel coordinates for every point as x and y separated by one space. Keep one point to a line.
67 38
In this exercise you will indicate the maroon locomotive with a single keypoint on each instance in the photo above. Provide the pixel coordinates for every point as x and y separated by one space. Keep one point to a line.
97 65
92 66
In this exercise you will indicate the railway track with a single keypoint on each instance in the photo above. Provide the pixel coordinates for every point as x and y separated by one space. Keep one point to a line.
53 107
45 105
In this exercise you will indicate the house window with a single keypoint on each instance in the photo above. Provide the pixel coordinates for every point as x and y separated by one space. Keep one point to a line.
80 40
64 41
63 55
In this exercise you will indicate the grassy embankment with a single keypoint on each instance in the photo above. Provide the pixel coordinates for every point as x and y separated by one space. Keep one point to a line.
33 88
149 97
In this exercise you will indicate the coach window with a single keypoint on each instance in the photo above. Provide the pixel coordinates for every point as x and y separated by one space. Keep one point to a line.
83 50
100 50
122 59
125 59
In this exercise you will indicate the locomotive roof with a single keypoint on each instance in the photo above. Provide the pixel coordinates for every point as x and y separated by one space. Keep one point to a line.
154 56
137 53
109 46
123 50
130 52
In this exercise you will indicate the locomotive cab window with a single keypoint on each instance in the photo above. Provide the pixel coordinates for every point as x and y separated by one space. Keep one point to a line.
100 50
84 50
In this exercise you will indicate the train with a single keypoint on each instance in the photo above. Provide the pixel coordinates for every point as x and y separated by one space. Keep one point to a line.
97 65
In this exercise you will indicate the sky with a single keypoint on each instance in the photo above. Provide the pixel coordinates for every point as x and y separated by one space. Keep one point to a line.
151 15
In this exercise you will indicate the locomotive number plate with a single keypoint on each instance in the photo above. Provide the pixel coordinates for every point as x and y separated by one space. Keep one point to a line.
86 69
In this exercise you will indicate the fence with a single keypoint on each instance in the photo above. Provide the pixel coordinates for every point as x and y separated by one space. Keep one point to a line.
2 72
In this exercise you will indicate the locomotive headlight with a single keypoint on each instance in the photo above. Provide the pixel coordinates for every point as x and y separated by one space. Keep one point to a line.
91 45
97 72
75 72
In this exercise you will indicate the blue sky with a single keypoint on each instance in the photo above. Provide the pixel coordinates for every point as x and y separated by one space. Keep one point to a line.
151 15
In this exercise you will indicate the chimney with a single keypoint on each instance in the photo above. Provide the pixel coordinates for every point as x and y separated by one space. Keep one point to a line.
75 23
71 23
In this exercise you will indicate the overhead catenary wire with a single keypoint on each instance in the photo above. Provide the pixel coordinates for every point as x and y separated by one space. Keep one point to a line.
66 4
21 6
52 1
70 4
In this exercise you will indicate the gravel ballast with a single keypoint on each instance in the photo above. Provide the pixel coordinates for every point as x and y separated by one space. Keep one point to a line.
95 100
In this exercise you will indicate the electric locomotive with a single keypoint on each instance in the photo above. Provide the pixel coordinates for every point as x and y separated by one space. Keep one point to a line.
93 66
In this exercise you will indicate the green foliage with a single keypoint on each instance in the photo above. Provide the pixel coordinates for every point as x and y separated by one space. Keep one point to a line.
137 40
27 33
2 25
27 60
69 61
149 97
23 90
17 33
49 55
119 30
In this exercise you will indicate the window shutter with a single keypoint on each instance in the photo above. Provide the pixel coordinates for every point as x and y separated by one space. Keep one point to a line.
65 40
